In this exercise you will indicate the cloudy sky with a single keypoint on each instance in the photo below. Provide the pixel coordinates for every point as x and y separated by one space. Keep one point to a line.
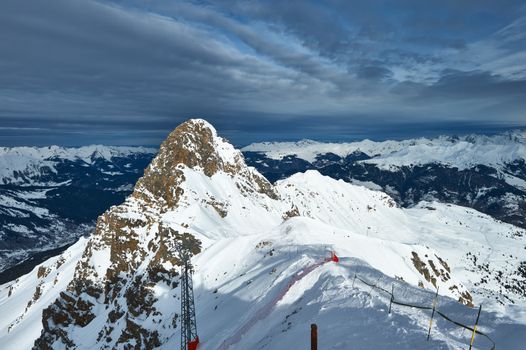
127 72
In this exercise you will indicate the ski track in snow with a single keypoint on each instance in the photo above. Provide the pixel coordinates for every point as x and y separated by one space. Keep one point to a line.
267 309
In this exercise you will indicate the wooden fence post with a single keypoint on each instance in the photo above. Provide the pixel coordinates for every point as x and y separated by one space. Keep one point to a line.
313 337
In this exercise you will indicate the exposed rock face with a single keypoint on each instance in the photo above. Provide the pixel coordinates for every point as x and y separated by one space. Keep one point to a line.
441 271
129 258
195 145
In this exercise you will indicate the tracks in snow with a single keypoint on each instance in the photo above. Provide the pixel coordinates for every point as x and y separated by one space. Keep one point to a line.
264 311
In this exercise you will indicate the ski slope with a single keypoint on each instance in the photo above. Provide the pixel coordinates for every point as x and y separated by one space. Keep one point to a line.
265 310
247 298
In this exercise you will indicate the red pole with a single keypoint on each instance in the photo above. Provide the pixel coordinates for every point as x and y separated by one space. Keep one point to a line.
313 337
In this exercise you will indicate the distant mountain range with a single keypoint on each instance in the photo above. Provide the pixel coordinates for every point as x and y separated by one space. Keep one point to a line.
487 173
52 195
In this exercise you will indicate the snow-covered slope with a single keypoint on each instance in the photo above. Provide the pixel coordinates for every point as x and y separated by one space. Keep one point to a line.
485 254
249 295
23 300
260 272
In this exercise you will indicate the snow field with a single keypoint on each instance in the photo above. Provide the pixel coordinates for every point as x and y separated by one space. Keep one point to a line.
346 316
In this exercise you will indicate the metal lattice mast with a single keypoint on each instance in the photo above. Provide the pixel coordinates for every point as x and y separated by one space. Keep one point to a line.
189 338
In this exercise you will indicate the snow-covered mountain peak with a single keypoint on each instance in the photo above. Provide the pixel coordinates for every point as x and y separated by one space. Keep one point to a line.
195 143
198 188
195 146
260 254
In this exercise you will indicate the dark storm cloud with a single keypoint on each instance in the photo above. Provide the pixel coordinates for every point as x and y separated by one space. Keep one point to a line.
475 84
373 72
460 85
127 72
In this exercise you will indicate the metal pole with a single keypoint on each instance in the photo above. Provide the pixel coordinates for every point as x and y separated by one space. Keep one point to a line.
432 314
475 329
392 297
313 337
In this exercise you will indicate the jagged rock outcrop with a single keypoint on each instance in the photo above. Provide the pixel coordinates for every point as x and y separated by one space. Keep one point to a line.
195 145
130 256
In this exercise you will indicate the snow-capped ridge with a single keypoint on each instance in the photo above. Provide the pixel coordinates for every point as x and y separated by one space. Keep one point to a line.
23 300
28 164
454 151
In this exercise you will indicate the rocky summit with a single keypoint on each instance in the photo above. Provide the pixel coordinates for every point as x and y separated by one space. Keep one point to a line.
262 273
129 254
